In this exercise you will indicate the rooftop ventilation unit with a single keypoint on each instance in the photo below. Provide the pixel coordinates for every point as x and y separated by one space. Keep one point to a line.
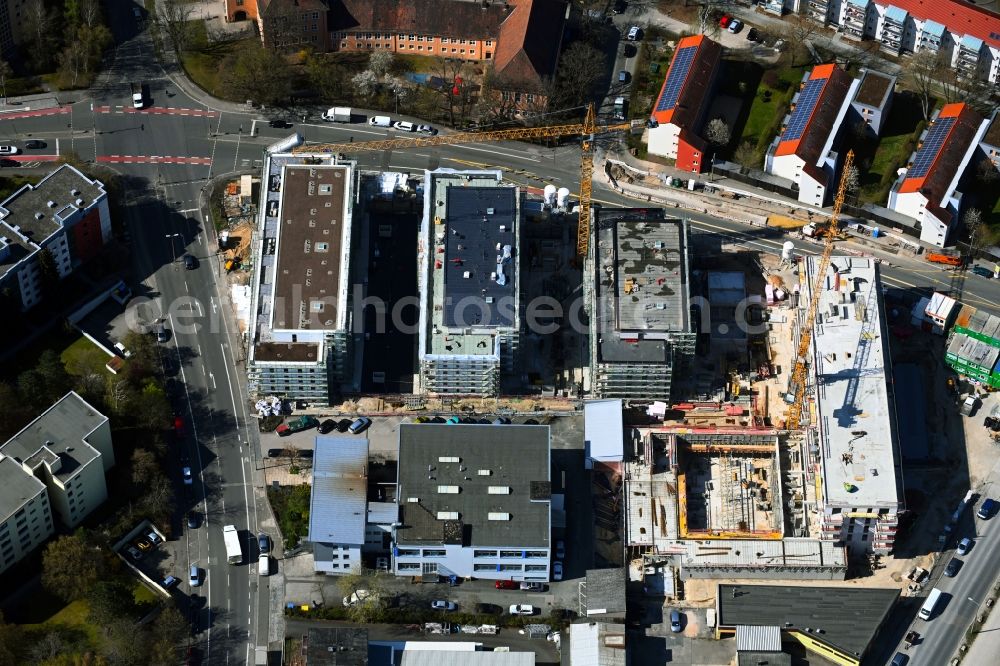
447 515
39 216
448 490
413 500
499 490
497 516
449 459
74 192
484 472
79 203
50 203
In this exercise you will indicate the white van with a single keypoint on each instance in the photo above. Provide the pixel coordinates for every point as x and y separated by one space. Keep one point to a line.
927 610
264 565
380 121
404 125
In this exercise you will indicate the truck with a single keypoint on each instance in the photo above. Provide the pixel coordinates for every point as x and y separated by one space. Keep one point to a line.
234 553
946 259
927 610
620 108
297 425
138 100
337 114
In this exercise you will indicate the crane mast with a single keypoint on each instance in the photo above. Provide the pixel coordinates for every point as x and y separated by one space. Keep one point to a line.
805 337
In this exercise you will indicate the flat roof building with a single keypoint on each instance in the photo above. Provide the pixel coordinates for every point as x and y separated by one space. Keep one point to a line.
856 442
681 109
873 98
474 502
928 190
68 450
469 275
841 624
338 507
597 644
641 328
25 513
299 341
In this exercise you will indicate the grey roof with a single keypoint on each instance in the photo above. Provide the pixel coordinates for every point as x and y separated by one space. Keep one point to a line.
763 659
382 513
605 591
641 286
475 216
761 639
604 438
336 646
340 485
17 487
60 432
22 208
848 618
516 458
597 644
973 351
447 657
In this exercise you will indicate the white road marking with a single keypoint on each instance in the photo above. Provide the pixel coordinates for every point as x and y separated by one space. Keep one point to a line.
494 151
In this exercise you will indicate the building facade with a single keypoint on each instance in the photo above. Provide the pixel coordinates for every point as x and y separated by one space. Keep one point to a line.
286 24
299 341
66 214
859 458
65 454
682 107
15 19
469 275
638 292
928 190
474 502
966 34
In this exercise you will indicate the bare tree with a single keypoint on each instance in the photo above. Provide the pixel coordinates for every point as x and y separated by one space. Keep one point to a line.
580 67
366 83
987 171
40 25
747 156
257 74
717 132
5 71
853 178
973 220
922 74
89 12
380 62
173 19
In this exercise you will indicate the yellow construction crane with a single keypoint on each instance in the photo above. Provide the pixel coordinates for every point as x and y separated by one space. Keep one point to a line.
805 337
588 130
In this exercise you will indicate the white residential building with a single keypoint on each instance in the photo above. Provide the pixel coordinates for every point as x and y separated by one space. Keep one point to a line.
25 513
338 508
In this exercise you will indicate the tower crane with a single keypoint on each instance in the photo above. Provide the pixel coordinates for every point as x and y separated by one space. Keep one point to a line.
805 337
588 130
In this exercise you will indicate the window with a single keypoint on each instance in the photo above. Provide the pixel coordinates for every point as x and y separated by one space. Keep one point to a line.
489 42
420 38
485 567
461 50
430 49
510 567
536 567
510 553
412 37
434 553
408 566
445 40
420 48
531 98
484 553
454 50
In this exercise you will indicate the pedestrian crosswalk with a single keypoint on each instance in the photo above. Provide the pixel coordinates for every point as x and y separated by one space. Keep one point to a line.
158 110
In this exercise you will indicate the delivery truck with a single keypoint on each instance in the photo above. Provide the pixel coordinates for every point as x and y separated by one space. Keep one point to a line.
234 553
337 114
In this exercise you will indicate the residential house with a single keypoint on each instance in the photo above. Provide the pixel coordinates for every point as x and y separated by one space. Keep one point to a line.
682 107
873 99
527 53
286 24
66 214
64 453
338 506
928 189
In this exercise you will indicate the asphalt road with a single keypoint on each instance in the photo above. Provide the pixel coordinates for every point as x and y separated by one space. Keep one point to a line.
168 152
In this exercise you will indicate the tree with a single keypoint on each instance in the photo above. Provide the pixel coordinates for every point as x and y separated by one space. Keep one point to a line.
5 71
15 414
326 77
151 406
70 567
987 172
109 600
364 610
10 640
973 220
366 83
122 646
747 156
173 20
158 499
853 178
380 62
90 12
45 383
580 68
257 74
144 467
717 132
170 630
40 27
922 74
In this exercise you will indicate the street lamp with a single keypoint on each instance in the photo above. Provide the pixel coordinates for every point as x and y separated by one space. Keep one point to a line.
173 250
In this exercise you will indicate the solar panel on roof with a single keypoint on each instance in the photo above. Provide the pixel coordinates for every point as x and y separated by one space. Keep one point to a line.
676 77
932 145
803 110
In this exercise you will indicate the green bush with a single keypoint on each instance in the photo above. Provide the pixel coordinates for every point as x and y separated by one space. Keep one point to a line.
291 509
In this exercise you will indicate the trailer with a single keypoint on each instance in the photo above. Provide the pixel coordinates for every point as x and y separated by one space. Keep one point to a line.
234 552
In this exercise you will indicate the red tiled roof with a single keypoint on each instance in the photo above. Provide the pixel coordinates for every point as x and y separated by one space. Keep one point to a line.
694 91
445 18
528 46
949 157
960 17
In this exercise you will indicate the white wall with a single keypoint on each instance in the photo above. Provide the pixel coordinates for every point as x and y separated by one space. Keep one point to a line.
462 561
38 519
663 140
787 166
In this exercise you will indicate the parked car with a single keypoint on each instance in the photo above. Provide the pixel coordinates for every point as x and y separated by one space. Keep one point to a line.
35 144
8 150
983 271
560 550
675 621
987 510
327 426
190 263
532 587
954 565
901 659
343 425
161 332
263 543
306 453
505 585
263 565
735 26
633 33
356 598
964 546
188 479
274 453
753 35
193 519
360 425
501 420
134 553
724 21
453 420
557 570
427 129
144 544
195 576
404 125
170 582
522 609
441 605
280 124
624 76
297 425
155 538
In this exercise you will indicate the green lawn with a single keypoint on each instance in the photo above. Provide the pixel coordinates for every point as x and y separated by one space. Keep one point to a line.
769 106
203 63
291 509
83 358
12 183
75 617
